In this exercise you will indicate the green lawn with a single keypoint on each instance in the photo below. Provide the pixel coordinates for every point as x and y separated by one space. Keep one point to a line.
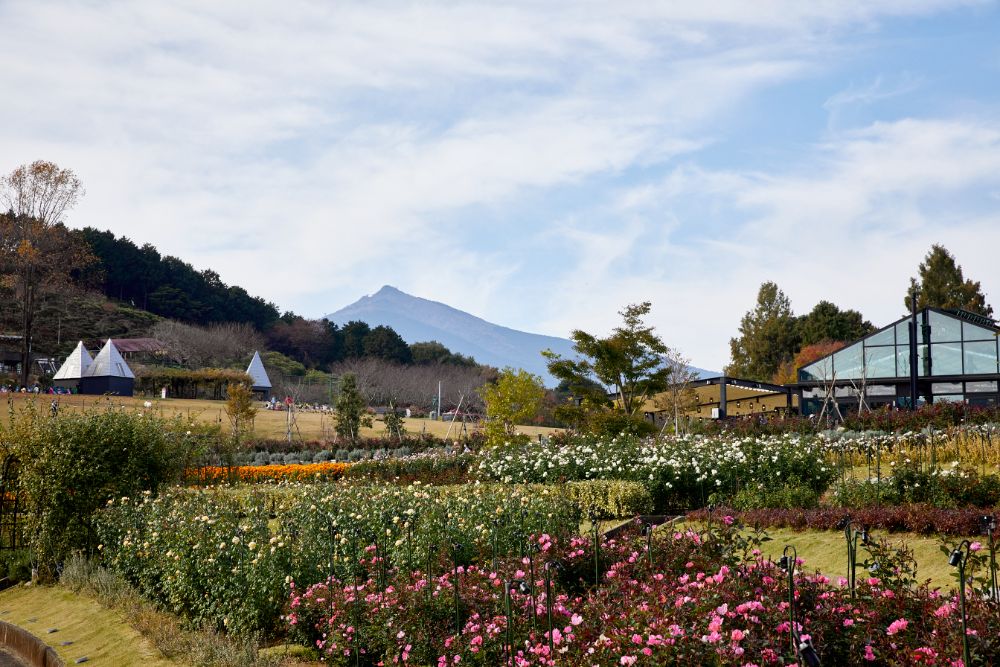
826 551
100 634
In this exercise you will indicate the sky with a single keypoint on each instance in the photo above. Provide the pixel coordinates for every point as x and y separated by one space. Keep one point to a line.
540 165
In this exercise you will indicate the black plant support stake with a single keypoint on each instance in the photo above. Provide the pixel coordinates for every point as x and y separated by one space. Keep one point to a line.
594 521
455 548
357 602
959 559
647 530
788 565
496 533
532 550
549 566
988 523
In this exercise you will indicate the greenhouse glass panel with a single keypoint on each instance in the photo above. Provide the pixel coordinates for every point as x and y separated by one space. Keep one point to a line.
946 359
903 333
944 328
848 363
981 387
980 357
972 332
819 371
884 337
902 361
881 361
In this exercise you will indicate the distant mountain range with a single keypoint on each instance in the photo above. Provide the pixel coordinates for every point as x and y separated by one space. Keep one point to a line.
417 320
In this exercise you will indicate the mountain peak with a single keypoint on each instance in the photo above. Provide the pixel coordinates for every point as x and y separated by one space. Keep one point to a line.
389 290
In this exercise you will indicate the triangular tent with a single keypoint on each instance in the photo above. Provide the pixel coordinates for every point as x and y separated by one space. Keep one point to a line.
76 364
256 371
109 363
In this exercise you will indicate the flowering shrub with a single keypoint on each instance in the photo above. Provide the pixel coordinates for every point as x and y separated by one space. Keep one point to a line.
684 602
217 557
679 472
297 472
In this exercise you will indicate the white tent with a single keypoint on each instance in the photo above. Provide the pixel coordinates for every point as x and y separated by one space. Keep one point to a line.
76 364
256 371
109 363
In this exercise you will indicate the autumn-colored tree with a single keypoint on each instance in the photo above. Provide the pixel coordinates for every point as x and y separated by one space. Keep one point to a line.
515 398
787 373
942 285
37 253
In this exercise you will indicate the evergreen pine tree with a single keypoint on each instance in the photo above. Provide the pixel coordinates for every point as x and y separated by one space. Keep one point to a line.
942 285
768 337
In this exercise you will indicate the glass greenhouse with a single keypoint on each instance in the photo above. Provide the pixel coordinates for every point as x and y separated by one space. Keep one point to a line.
957 360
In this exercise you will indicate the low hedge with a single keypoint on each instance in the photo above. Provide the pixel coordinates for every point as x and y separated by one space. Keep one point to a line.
610 498
437 468
917 518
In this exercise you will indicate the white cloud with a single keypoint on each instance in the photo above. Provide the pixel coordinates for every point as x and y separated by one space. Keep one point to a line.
313 151
850 228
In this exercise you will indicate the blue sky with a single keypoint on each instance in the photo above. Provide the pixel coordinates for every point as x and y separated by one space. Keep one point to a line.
540 165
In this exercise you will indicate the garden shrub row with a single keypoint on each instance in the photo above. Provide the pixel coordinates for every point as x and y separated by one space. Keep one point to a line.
690 600
679 472
432 467
216 557
921 519
943 488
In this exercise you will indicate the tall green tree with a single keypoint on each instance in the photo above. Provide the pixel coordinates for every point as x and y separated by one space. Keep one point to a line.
383 342
515 398
630 361
828 322
940 283
350 407
768 336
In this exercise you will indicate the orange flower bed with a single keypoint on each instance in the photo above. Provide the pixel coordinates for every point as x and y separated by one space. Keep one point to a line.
298 472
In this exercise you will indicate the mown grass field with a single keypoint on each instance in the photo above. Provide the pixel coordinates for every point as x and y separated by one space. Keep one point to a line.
98 633
269 424
825 551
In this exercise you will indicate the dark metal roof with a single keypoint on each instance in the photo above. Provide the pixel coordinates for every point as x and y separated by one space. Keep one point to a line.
150 345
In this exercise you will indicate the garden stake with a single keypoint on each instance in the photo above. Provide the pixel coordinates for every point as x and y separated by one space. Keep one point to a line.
851 537
333 556
989 524
958 559
409 543
496 530
455 546
788 565
647 530
507 585
548 606
532 550
597 547
357 603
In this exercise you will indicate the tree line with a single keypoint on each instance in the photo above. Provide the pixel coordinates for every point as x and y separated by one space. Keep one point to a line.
773 342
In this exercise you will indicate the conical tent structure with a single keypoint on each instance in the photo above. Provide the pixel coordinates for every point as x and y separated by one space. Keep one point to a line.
108 373
76 364
261 383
